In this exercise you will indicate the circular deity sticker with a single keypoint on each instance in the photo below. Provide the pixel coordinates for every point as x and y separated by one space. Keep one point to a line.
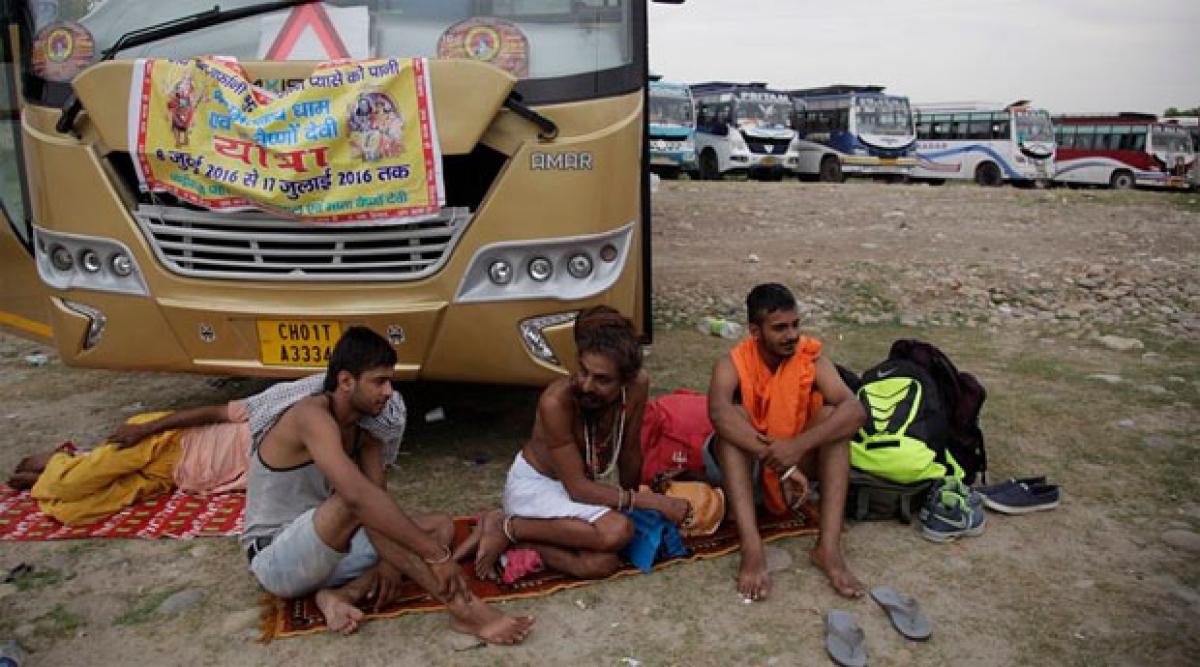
488 40
61 50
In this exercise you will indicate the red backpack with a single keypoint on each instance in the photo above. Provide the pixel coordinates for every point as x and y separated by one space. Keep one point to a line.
674 429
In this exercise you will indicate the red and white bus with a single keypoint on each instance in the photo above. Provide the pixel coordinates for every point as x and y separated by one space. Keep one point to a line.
1122 151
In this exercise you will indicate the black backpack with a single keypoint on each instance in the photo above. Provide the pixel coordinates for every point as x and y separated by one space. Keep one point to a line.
962 396
921 411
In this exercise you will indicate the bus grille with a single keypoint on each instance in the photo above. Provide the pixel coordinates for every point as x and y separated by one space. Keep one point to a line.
259 247
768 146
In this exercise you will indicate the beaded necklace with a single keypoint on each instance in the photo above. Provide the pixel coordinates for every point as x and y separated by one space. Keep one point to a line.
590 446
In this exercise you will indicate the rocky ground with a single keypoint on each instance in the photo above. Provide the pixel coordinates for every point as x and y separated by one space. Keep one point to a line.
1077 309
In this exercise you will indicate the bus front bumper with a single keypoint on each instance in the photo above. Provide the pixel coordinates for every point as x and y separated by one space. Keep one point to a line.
529 343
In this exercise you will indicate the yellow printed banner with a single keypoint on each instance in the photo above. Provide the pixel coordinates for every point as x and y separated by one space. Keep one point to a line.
355 141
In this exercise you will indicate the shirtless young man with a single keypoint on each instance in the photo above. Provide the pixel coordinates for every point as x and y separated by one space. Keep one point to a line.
319 517
737 452
583 460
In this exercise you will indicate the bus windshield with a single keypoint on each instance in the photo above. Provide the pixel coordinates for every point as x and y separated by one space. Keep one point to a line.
668 108
532 39
883 115
1034 126
765 114
1170 140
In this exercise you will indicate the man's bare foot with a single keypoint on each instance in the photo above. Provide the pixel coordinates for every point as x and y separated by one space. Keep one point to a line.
340 614
840 577
753 580
22 481
469 545
480 619
492 543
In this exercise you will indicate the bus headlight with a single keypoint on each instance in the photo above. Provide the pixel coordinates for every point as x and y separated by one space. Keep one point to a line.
90 261
61 258
540 269
122 265
500 272
580 266
74 261
562 269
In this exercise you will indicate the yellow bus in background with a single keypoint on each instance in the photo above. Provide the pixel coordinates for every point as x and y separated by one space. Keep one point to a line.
539 115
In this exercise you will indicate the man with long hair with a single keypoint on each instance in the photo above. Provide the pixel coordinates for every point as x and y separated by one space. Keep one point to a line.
582 462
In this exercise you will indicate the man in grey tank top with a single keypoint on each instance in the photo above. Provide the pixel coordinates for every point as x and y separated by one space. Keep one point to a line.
319 518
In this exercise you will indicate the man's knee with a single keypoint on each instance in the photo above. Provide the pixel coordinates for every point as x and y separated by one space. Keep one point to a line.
335 522
593 565
615 531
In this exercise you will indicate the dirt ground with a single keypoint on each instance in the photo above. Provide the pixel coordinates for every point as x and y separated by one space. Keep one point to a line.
1018 286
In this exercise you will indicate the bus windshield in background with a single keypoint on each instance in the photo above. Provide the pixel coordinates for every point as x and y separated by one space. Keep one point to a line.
764 113
532 39
1170 140
1033 126
670 108
883 115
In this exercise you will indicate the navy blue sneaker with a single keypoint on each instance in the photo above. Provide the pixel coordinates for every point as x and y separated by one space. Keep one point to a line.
1023 498
949 515
1012 481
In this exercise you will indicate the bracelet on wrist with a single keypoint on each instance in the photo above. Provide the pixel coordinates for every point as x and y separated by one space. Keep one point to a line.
440 559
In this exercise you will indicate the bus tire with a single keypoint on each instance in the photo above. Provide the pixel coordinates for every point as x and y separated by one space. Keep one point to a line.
831 170
1121 179
988 175
669 174
709 169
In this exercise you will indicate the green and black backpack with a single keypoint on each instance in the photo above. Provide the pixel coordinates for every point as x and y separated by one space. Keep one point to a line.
906 438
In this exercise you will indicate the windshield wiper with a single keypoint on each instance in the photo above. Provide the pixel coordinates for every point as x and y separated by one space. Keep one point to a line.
179 26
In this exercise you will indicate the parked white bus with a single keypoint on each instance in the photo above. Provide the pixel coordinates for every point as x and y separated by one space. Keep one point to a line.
1192 124
987 143
744 128
1123 150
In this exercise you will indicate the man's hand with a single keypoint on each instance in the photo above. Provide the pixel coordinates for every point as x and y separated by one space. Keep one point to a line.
783 454
675 509
387 584
451 583
128 435
795 489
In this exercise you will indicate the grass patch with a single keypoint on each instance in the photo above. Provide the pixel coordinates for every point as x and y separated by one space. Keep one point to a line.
36 579
144 610
59 622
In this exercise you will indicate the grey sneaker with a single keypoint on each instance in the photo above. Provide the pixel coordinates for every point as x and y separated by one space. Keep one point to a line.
948 515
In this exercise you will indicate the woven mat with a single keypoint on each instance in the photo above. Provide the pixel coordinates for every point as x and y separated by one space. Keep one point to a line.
293 618
178 516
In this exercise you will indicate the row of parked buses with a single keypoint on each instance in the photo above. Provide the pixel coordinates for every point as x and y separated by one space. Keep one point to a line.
717 128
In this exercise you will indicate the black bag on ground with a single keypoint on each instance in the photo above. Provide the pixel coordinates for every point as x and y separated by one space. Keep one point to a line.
872 498
962 395
922 418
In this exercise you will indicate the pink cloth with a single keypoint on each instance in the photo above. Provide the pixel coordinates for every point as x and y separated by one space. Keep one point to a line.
216 456
520 562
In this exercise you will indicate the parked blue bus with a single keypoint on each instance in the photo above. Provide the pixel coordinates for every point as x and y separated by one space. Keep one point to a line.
672 120
853 130
744 128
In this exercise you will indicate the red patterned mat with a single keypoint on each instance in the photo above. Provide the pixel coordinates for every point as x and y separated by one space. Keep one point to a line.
293 618
179 516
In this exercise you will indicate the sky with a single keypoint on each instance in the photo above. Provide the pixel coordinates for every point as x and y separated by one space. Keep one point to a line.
1064 55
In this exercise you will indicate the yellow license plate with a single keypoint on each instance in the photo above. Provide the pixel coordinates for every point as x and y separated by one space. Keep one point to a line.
297 342
769 161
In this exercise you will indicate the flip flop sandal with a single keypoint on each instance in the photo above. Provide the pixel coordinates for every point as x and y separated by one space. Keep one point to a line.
844 640
905 613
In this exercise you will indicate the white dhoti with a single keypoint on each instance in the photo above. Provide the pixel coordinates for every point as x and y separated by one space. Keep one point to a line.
531 495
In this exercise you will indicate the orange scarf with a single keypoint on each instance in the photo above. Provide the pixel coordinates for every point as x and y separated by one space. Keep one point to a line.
779 404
